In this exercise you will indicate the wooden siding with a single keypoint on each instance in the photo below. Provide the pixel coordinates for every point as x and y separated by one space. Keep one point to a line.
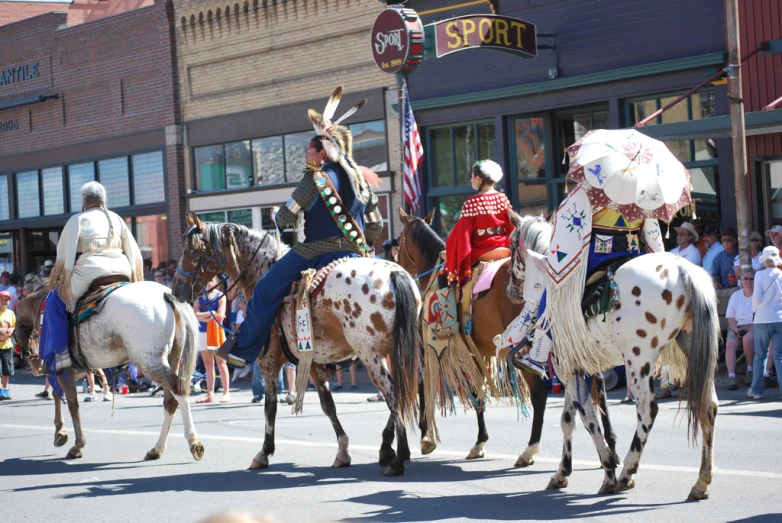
591 36
761 20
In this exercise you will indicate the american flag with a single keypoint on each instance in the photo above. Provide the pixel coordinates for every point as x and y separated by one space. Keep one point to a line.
414 153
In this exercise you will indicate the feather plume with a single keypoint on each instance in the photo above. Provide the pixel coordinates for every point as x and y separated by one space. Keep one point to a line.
370 176
331 106
352 111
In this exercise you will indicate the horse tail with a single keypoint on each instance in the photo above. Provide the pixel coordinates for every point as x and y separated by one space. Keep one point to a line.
407 346
186 335
702 353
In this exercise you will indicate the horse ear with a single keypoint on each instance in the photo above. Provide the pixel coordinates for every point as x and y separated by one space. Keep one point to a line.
194 221
515 219
403 216
429 218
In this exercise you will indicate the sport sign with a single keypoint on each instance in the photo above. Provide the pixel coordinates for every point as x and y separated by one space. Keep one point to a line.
397 40
485 31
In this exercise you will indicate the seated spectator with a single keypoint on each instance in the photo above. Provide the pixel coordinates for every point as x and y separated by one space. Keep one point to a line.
755 245
686 236
740 333
722 268
767 306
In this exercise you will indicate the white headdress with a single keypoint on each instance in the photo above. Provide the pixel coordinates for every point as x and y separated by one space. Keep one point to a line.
489 169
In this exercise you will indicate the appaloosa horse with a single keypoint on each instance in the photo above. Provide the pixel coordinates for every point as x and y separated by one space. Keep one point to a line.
367 308
419 250
667 308
139 322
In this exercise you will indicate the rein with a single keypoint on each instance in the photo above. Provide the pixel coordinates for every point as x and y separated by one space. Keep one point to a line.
428 272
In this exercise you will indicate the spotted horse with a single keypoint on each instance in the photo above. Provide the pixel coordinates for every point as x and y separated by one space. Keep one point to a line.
367 309
668 312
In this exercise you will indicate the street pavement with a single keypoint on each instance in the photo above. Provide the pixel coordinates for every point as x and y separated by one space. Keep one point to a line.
112 483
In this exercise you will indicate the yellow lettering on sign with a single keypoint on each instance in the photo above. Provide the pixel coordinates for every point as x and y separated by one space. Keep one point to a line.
450 31
502 29
518 26
487 34
468 27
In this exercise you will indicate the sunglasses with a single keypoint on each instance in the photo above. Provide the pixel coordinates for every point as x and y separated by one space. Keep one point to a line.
748 279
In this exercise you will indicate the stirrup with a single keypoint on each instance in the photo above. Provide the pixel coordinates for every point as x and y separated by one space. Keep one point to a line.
525 363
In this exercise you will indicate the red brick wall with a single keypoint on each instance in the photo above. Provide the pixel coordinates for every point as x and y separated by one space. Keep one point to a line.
79 11
115 78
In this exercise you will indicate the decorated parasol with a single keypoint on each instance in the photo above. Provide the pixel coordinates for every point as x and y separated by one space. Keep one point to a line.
630 173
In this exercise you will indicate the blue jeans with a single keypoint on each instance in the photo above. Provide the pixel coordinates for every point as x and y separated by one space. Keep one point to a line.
764 333
267 297
258 385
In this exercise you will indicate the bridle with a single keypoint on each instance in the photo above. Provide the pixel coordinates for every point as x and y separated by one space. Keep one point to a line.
218 252
403 249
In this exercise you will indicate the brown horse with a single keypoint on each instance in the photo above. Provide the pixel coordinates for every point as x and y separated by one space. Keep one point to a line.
367 309
419 251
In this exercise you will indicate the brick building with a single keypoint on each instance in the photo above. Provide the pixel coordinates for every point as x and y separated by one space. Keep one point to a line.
96 101
249 73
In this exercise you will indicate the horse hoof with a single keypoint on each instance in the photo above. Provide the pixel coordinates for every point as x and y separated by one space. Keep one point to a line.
557 484
339 464
60 440
624 485
259 463
521 462
475 454
395 468
696 495
197 450
74 453
386 457
152 455
606 489
427 446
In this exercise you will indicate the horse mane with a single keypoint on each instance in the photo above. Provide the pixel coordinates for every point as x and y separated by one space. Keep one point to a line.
427 241
535 233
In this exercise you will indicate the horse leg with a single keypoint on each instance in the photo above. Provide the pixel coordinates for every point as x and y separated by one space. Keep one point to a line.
568 424
646 408
539 397
608 429
67 381
60 433
701 488
380 376
170 405
320 376
270 366
387 453
589 417
427 444
483 436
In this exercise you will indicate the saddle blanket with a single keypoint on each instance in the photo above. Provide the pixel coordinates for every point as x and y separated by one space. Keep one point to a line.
487 275
93 304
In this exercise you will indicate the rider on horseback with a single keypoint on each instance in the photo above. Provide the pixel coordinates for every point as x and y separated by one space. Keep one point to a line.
340 219
484 226
95 244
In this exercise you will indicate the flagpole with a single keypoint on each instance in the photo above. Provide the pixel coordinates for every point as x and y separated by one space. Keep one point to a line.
401 82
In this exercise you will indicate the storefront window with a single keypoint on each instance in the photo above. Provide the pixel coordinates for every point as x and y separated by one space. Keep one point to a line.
53 200
487 142
6 251
573 126
28 194
148 179
152 237
209 167
241 217
770 195
369 145
442 157
78 175
114 177
530 141
447 212
464 147
295 153
269 160
533 198
5 210
212 216
238 165
387 232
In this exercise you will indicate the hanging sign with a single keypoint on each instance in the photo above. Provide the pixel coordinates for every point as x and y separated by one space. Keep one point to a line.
397 40
485 32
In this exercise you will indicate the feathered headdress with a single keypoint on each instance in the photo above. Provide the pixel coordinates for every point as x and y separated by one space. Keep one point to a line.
338 140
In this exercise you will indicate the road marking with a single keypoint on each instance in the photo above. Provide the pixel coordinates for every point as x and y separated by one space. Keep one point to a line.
417 454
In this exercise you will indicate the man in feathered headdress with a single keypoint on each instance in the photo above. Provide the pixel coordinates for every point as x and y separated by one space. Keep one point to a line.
334 213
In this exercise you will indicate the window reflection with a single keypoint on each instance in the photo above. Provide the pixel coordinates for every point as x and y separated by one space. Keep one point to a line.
369 145
27 194
210 172
152 237
78 175
448 210
295 153
529 135
269 160
238 165
442 159
53 197
533 199
114 177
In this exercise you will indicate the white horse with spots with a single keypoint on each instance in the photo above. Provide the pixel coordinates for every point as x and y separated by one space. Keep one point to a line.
668 307
140 323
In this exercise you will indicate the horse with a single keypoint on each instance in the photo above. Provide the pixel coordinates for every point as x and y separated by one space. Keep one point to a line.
367 309
139 322
419 250
667 310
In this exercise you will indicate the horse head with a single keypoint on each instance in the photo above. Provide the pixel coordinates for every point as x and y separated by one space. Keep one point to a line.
419 245
203 257
27 333
531 233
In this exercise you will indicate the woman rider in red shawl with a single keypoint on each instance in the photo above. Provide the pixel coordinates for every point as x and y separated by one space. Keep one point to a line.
484 225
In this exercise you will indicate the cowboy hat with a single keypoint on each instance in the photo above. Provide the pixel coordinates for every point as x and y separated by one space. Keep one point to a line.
687 226
769 253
